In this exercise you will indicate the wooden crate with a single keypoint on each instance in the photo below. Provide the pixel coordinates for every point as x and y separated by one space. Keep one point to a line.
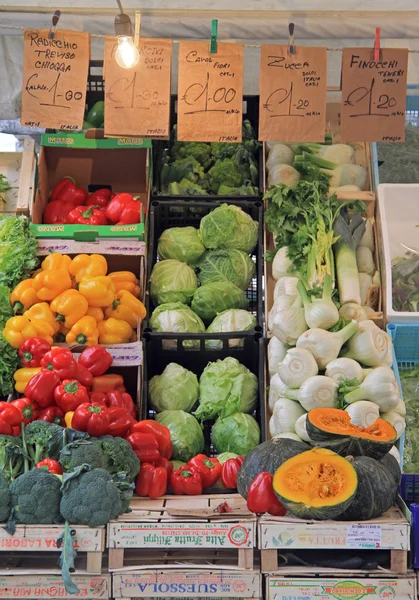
187 583
389 532
39 539
19 168
192 523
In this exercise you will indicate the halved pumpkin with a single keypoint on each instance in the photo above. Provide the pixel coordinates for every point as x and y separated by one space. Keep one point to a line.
318 484
332 428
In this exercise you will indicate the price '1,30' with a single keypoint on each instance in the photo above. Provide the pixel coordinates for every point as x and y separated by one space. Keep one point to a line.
125 92
51 95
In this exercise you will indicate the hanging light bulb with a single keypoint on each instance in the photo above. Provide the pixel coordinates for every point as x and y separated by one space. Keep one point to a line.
126 55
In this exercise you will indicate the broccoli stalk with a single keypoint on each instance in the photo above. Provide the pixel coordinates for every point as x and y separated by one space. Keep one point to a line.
11 456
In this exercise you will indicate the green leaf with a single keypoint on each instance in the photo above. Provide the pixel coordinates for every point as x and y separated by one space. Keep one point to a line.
66 559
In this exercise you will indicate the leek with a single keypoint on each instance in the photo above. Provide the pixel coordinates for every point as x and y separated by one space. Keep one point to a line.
345 247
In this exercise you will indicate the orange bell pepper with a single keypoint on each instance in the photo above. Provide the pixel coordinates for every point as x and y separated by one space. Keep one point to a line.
50 283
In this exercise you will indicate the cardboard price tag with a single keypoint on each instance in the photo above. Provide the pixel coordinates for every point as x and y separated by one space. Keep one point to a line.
293 91
54 79
137 100
210 92
373 95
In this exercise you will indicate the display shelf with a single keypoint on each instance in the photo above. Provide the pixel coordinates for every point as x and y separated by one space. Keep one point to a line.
19 169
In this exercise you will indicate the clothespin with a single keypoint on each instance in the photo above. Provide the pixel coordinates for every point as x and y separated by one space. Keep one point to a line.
55 20
137 28
377 48
214 33
224 507
291 45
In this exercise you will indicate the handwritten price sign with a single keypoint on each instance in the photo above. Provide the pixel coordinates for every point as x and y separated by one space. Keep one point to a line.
292 94
210 92
137 100
54 79
373 95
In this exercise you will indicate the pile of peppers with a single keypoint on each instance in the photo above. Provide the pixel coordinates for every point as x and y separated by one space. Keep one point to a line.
70 204
76 301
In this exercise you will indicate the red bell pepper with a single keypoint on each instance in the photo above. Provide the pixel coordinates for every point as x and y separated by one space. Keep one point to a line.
121 400
166 464
160 432
70 394
208 468
97 359
97 398
59 187
41 388
94 215
230 470
186 480
9 419
71 193
61 361
151 481
57 212
123 209
92 418
53 466
145 446
261 497
84 376
120 422
32 351
108 383
27 408
99 198
52 414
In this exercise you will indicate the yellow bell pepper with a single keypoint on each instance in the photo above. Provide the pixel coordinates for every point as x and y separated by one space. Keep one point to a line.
69 307
84 332
85 265
125 280
56 262
23 376
49 284
96 313
98 291
42 312
126 307
19 329
23 296
113 331
68 418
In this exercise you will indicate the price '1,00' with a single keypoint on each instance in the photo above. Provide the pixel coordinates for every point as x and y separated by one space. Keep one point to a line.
198 91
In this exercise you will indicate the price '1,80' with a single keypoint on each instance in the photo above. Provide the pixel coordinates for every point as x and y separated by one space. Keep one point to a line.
51 95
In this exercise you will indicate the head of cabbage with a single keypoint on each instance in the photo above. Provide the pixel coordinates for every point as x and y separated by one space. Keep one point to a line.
225 387
233 319
228 226
213 298
181 243
176 388
226 265
237 433
185 431
175 317
172 281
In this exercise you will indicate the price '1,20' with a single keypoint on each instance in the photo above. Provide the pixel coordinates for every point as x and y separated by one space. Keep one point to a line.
281 103
199 98
369 104
51 96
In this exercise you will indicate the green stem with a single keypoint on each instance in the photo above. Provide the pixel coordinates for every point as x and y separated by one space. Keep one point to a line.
303 294
25 449
327 287
317 160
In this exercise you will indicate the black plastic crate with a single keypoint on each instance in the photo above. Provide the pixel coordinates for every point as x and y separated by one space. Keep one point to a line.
165 213
250 112
95 83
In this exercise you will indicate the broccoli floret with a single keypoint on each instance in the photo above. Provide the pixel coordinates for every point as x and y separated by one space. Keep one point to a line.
182 168
225 172
35 497
197 150
38 436
89 497
4 498
11 456
192 189
79 453
244 190
118 456
223 149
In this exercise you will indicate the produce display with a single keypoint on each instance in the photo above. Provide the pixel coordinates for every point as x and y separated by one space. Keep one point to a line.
410 388
4 186
398 163
405 283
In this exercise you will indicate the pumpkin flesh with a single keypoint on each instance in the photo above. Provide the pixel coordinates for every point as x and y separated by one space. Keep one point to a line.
332 428
318 484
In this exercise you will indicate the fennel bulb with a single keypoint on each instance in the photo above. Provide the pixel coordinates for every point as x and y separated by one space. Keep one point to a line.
389 357
351 311
345 256
284 416
301 428
281 264
342 369
289 435
276 389
286 319
365 260
368 289
276 354
396 420
324 345
363 413
283 174
286 286
298 365
280 154
394 452
379 386
368 237
340 154
319 312
316 392
400 408
347 175
344 188
369 345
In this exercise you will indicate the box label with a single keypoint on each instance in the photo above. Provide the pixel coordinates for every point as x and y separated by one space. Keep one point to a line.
363 536
52 586
33 539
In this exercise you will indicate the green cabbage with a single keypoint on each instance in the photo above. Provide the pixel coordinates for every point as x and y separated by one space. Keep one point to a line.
176 388
228 226
186 433
180 243
213 298
231 265
225 387
172 281
237 433
225 456
233 319
175 317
